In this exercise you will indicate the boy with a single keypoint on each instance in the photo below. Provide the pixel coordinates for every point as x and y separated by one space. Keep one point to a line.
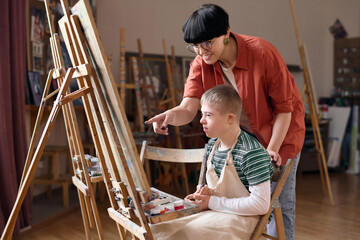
221 109
238 176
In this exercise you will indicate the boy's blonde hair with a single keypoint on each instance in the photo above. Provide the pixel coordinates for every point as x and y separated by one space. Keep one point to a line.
225 98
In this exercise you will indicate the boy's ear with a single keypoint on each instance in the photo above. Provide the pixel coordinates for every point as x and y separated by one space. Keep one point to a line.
231 118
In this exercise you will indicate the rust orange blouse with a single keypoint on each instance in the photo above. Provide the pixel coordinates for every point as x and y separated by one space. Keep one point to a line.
265 86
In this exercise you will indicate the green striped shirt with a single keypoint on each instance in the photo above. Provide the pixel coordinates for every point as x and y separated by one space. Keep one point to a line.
251 160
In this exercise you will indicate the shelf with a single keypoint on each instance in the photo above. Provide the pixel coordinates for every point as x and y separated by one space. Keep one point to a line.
347 66
294 68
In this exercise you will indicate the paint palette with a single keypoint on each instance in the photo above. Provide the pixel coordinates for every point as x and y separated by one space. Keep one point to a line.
165 207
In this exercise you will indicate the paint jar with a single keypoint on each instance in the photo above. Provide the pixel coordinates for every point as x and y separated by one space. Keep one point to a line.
160 201
178 205
157 210
162 209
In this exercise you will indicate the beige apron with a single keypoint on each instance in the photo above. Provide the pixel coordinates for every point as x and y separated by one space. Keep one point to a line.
211 224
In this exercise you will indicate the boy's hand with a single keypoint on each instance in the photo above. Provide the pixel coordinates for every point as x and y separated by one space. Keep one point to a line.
201 197
275 157
200 190
201 200
203 190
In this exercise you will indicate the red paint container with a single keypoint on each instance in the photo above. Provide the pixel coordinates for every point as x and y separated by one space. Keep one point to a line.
178 205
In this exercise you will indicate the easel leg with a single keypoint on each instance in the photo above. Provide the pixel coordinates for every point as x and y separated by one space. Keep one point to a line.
36 126
312 107
88 210
8 231
84 214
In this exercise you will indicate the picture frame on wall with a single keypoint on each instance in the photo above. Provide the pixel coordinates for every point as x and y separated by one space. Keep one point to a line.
34 79
157 68
37 36
37 25
37 57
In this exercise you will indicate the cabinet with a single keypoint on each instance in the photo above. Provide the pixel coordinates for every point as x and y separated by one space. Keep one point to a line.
308 160
347 67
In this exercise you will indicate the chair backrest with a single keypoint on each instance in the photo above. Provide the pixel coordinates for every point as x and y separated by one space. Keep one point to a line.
172 155
280 176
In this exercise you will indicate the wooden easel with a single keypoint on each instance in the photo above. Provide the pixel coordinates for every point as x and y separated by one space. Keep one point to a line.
173 104
309 91
81 179
109 128
127 175
176 78
143 76
139 74
64 101
145 73
141 88
138 94
114 143
122 65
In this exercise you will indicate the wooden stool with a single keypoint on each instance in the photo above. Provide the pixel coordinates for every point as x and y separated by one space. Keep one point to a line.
53 176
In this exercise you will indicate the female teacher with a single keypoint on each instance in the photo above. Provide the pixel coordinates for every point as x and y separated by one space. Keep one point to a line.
272 107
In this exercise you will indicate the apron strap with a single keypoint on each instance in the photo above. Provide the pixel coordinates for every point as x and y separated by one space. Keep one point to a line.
208 162
229 159
229 154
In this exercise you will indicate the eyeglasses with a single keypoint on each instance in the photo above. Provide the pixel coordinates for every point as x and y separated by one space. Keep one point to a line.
207 45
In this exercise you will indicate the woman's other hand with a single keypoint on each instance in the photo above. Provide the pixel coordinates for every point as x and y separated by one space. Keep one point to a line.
275 157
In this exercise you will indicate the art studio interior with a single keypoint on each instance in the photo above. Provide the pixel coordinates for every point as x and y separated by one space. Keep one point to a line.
105 130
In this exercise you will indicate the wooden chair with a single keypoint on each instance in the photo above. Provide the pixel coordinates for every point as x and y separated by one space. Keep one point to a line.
170 155
280 176
198 155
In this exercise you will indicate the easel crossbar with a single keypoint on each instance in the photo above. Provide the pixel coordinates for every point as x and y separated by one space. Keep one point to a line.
138 231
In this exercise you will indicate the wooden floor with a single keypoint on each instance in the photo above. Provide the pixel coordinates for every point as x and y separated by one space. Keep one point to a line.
316 218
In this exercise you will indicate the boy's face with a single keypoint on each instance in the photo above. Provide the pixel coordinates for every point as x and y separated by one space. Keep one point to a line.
214 122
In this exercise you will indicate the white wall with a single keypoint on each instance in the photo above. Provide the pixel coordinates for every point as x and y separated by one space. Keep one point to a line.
152 20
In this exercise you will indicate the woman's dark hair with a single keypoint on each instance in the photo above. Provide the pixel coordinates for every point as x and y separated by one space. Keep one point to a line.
206 23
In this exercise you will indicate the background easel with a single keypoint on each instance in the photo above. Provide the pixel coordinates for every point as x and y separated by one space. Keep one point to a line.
172 99
177 81
138 94
121 86
312 103
147 85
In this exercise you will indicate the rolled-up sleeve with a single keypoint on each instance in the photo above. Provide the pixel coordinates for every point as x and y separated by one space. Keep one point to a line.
279 81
